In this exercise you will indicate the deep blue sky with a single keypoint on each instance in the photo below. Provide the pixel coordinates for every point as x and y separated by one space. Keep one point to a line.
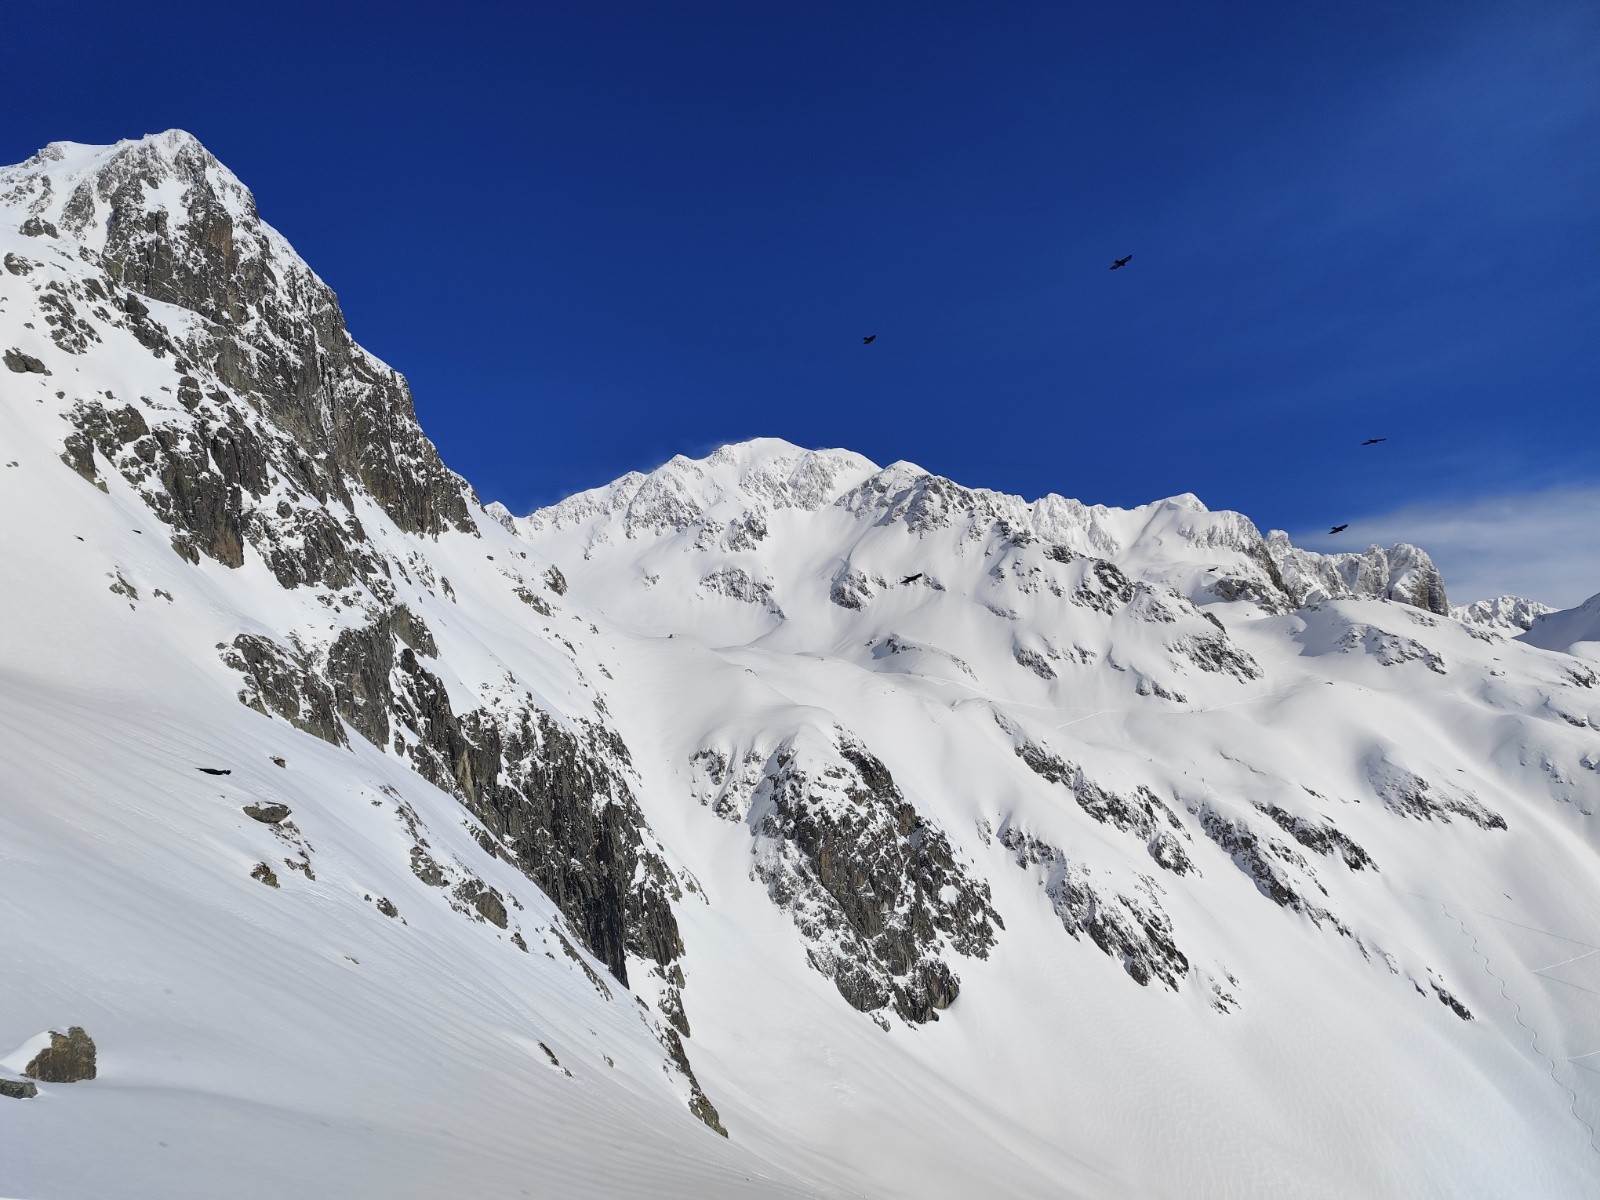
597 234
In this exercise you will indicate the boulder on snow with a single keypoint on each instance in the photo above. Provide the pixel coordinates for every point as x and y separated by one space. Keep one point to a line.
18 1089
484 900
490 908
68 1059
267 814
25 364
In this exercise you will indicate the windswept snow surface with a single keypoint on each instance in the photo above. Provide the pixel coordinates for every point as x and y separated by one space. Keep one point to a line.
1030 850
1574 630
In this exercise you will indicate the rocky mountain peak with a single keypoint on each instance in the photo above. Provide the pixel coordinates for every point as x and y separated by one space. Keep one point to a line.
156 239
752 477
720 504
79 187
168 220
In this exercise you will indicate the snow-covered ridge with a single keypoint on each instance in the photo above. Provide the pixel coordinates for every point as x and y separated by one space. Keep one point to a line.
756 476
1175 541
1510 615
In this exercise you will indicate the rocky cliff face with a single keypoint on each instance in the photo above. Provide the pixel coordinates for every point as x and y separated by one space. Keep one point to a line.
272 421
1402 573
161 220
875 890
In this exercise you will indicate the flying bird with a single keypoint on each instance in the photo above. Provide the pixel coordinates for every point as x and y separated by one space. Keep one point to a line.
214 770
1339 528
869 339
1374 441
912 578
1122 262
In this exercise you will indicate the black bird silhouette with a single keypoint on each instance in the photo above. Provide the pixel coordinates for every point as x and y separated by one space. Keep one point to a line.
1339 528
213 771
1122 262
1374 441
869 339
912 578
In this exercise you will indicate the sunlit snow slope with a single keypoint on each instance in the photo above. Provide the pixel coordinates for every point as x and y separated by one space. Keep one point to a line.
924 841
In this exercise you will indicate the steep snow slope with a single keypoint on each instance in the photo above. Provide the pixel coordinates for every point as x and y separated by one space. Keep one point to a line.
926 841
1510 615
1573 630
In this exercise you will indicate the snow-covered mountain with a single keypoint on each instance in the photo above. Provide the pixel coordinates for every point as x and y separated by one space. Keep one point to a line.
767 824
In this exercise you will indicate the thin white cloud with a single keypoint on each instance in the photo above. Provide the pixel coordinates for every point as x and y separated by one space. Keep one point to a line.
1544 545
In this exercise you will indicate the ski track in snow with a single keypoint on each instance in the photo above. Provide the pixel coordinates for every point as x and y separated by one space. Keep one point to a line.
1533 1034
1186 711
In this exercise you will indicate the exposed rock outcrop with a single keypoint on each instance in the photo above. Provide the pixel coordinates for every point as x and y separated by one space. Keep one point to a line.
1141 813
162 219
70 1058
1389 649
1131 928
1403 573
263 873
272 332
553 798
1410 795
876 891
1267 862
24 364
1322 837
284 682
